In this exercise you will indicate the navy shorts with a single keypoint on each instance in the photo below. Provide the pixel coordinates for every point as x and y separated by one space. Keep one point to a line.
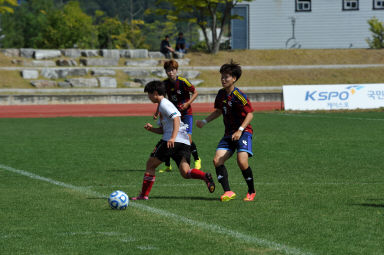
243 144
188 120
177 153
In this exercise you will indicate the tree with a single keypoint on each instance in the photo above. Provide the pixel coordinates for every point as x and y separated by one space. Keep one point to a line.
70 27
5 6
377 29
209 15
24 28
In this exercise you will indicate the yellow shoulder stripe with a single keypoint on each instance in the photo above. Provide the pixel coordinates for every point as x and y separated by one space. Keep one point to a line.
239 96
186 81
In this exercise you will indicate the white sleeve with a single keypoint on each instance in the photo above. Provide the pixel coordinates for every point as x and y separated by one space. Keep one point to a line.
169 110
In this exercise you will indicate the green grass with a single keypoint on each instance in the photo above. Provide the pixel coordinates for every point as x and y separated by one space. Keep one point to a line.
319 180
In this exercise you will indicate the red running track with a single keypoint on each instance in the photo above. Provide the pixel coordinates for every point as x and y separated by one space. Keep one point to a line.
98 110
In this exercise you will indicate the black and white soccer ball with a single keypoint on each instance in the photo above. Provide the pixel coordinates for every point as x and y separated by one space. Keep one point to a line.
118 200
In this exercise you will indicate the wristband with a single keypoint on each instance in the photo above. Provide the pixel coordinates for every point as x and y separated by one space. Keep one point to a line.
204 121
241 128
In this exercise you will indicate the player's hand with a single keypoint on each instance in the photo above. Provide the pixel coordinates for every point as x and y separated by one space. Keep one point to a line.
184 106
236 135
148 126
155 116
200 123
171 143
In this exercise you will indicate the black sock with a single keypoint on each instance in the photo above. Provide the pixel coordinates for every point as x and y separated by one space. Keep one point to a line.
248 177
167 162
194 151
222 177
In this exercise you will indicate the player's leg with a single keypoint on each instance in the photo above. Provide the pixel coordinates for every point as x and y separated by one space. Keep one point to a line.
182 159
221 156
167 166
244 149
188 120
155 159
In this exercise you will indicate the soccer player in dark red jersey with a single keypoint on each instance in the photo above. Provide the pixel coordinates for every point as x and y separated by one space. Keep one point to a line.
236 109
181 93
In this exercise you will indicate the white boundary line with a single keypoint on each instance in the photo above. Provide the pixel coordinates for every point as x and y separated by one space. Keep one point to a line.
210 227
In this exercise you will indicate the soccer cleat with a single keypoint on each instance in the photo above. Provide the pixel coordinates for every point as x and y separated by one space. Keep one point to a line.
166 169
228 195
250 197
198 164
140 197
210 183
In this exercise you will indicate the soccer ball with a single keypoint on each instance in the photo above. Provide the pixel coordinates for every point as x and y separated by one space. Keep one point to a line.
118 200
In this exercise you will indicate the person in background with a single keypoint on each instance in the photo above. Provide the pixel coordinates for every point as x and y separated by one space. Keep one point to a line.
166 48
180 43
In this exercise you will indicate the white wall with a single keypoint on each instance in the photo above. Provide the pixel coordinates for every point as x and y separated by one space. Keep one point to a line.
326 26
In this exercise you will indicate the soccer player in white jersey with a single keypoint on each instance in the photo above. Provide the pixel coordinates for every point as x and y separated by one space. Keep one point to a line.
174 143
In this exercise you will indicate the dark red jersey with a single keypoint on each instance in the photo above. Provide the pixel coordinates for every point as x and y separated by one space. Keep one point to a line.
179 93
235 108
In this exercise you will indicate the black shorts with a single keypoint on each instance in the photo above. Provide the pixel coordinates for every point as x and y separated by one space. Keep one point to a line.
177 153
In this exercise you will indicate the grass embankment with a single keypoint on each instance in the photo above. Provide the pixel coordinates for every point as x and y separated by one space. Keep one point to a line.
12 79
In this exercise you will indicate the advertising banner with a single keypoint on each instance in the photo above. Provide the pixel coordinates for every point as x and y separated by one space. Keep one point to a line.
333 97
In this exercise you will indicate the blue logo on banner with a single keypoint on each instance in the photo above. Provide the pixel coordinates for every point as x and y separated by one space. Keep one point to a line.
329 95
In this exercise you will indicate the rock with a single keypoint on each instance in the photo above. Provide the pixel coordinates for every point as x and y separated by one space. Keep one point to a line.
49 73
17 62
11 52
136 53
189 74
64 84
44 63
26 53
132 84
100 62
159 73
71 53
77 71
196 82
66 62
107 82
103 72
183 62
46 54
30 74
144 81
137 73
90 53
178 55
83 82
110 53
149 62
155 54
44 84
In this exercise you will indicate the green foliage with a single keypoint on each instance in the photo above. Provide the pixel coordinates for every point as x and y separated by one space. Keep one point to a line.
377 29
70 27
24 27
6 6
158 30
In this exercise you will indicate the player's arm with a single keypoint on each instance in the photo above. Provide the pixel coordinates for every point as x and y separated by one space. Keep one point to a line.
150 128
215 114
239 132
176 126
156 115
190 101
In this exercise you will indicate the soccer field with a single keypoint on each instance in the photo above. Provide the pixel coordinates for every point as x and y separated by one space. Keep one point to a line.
319 179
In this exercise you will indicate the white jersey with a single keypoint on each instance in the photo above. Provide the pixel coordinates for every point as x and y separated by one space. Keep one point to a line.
168 112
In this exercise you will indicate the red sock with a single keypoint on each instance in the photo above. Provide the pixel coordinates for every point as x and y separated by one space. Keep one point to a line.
196 174
147 184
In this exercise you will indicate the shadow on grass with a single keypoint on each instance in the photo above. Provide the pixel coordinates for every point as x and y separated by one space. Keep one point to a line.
370 205
184 198
125 170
